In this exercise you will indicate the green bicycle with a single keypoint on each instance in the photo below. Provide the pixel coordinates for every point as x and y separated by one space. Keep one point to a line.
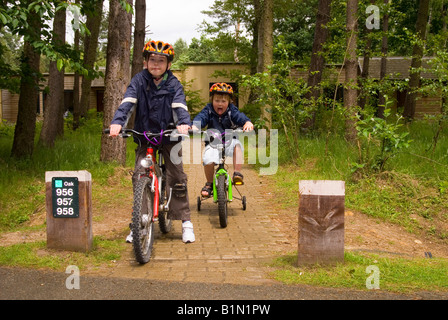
222 182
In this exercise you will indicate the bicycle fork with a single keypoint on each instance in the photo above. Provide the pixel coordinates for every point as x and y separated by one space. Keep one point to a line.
154 172
149 165
222 172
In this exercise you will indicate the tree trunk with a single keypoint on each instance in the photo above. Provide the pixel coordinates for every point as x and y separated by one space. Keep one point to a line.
256 29
139 36
365 71
351 71
265 49
139 43
416 63
117 77
90 46
53 125
383 70
23 144
76 89
317 63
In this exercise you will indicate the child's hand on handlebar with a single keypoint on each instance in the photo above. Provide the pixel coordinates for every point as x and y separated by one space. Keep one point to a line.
183 128
115 130
248 126
194 128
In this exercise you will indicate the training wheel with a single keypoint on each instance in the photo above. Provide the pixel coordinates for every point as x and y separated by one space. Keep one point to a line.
244 202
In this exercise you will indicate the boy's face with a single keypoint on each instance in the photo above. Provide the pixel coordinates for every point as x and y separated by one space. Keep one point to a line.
157 65
220 103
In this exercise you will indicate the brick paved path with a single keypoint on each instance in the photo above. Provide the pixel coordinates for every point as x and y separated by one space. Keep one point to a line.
236 254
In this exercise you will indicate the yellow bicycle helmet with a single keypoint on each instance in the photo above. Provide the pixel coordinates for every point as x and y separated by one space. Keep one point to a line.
159 47
221 88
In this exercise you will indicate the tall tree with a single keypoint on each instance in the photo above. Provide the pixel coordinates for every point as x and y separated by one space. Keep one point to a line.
317 58
76 89
53 125
416 63
117 76
139 36
351 70
90 50
384 53
229 18
255 31
23 144
265 47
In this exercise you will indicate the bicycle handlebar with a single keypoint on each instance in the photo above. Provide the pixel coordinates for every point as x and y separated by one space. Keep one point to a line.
151 137
170 131
146 133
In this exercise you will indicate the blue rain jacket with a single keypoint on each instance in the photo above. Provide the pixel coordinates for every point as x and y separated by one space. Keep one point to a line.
155 107
230 119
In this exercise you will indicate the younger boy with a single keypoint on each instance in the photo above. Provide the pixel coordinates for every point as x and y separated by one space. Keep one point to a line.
221 114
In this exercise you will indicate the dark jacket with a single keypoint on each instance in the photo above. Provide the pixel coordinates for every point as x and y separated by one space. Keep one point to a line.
156 107
230 119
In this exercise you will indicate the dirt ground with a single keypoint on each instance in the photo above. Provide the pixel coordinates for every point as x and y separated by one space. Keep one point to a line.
361 232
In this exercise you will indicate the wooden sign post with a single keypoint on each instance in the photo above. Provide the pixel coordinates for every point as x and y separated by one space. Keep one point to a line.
321 222
69 210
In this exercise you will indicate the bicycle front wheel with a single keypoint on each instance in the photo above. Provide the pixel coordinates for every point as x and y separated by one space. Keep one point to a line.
221 189
142 225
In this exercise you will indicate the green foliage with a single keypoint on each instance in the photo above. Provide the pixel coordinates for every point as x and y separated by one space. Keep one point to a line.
379 140
194 101
285 95
17 20
412 191
396 274
22 187
36 255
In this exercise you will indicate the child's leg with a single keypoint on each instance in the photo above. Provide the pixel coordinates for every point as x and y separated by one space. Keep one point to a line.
209 159
175 175
209 170
237 158
237 163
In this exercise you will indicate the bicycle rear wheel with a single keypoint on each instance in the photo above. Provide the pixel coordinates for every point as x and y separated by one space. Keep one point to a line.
221 189
142 225
165 223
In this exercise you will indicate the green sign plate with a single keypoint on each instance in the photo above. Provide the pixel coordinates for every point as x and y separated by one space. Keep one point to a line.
65 197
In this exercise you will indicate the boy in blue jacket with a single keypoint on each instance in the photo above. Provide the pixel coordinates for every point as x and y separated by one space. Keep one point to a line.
159 100
221 114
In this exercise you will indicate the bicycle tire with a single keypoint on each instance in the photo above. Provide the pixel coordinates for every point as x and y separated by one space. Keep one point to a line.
221 189
165 224
143 234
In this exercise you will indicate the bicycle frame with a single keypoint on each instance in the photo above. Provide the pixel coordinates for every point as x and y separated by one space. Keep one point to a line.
154 171
153 168
222 171
219 172
151 172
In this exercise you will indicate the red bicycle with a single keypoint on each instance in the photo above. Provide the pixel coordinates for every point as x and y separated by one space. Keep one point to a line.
151 199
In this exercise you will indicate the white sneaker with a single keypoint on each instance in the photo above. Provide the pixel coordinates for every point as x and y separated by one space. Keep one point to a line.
187 232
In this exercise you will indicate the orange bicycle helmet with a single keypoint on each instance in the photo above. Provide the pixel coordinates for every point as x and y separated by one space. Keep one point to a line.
159 47
221 88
